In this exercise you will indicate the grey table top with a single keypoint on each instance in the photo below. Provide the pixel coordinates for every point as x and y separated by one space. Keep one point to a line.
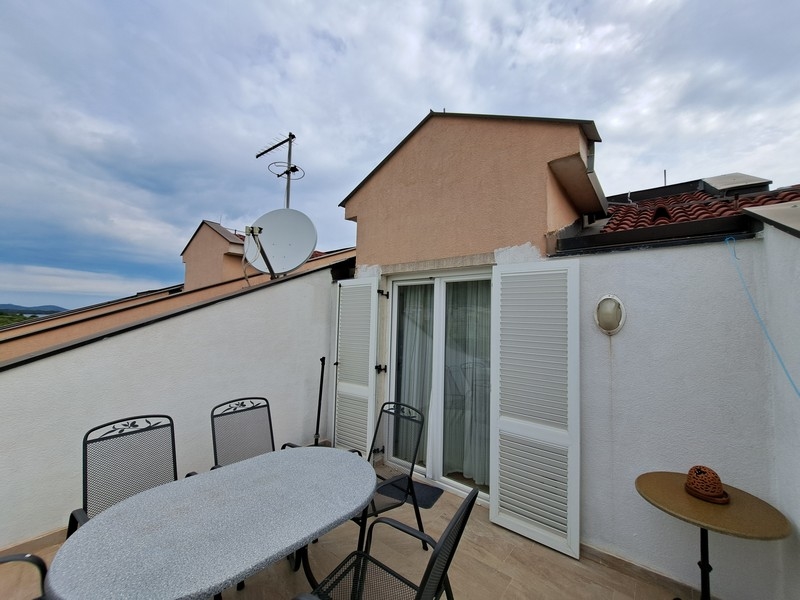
198 536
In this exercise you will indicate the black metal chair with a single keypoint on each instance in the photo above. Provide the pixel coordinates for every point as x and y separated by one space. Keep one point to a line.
240 429
35 561
362 577
122 458
404 425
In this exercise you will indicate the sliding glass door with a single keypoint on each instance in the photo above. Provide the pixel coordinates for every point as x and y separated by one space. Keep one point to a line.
465 436
413 366
441 337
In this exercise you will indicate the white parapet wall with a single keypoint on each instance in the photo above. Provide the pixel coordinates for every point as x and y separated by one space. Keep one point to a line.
266 342
782 287
690 379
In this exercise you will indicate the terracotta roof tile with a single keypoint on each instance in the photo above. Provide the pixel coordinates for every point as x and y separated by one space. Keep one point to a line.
689 207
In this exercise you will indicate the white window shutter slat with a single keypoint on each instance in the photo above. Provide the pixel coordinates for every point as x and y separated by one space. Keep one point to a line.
535 487
356 350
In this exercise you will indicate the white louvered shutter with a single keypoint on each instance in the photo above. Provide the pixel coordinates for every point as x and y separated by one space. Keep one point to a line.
535 449
356 350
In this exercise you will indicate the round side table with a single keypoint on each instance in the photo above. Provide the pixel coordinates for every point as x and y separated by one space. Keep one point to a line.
745 516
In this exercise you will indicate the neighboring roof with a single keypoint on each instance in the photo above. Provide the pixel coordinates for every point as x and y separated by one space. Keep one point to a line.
587 126
682 213
234 237
736 181
230 236
28 341
785 216
689 207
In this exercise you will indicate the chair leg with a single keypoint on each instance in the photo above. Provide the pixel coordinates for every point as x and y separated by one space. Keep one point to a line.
362 530
447 590
419 517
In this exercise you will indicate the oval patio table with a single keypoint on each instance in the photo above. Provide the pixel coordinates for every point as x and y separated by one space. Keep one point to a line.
195 537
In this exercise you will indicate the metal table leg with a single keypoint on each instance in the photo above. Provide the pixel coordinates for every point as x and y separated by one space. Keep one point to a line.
302 556
705 567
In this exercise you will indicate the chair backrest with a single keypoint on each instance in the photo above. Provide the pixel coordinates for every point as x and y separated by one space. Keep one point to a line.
125 457
241 429
433 580
405 425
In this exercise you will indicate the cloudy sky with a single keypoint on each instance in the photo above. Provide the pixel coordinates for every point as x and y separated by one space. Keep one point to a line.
124 124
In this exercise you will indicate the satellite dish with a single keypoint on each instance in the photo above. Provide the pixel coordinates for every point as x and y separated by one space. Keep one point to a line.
280 241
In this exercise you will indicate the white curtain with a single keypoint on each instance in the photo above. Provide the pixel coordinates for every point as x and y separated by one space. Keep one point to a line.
466 381
414 361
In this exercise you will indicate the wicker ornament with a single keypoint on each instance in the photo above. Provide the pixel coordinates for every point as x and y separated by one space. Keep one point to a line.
704 483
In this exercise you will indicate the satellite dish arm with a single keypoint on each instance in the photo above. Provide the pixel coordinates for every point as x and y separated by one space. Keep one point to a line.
266 261
254 231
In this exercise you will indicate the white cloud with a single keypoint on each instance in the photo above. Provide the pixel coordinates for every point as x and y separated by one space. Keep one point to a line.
75 129
123 125
49 280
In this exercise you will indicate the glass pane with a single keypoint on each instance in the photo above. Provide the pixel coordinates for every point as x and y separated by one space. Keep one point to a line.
414 359
466 382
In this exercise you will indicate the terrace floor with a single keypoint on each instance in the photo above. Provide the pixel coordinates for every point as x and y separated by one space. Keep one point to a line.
491 562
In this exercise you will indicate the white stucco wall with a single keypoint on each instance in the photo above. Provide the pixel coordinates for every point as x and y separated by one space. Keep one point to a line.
782 272
683 383
264 343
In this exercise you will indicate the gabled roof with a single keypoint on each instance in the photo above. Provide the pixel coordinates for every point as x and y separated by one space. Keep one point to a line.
227 234
588 127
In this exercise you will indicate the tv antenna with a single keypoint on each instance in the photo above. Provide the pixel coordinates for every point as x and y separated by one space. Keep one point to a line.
281 240
284 169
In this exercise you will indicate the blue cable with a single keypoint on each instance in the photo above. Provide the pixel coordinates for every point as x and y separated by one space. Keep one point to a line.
735 258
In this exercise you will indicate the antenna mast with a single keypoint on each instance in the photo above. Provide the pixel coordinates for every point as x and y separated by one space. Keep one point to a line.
289 167
288 233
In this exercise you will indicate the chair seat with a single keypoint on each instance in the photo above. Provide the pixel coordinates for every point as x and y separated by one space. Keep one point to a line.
378 581
382 504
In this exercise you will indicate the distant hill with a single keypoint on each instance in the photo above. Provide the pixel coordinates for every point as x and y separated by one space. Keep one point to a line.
14 309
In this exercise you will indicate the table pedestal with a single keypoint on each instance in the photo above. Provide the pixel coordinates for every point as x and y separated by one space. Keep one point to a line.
300 558
705 566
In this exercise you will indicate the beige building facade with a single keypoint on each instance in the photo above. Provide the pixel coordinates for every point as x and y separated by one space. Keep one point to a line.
466 185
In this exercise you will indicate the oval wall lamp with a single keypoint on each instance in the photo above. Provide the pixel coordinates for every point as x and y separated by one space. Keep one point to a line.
609 314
